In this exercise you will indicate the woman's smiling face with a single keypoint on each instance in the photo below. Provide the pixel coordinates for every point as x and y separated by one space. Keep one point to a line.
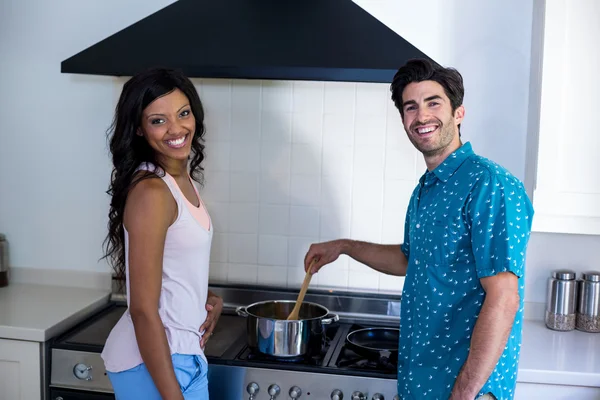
168 125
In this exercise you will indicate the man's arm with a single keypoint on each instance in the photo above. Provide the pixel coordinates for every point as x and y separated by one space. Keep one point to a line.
388 259
490 334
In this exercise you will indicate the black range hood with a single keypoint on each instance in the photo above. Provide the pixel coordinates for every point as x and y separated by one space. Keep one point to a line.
320 40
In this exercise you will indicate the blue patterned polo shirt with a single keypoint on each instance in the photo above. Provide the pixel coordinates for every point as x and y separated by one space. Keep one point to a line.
467 219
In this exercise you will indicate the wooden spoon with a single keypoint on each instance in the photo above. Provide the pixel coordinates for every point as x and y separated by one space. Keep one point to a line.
294 314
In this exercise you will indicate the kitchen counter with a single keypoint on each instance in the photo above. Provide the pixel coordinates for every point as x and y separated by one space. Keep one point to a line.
37 313
560 358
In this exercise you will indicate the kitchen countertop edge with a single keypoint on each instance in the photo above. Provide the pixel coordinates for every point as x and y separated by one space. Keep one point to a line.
92 302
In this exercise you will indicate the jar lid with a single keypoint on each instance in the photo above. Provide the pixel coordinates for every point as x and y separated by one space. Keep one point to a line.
593 276
563 274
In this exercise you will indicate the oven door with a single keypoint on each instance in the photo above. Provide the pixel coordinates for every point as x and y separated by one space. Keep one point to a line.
67 394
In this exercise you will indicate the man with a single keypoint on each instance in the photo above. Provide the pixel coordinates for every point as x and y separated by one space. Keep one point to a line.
466 233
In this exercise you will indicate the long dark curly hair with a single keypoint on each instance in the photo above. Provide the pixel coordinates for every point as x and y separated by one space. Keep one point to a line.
129 150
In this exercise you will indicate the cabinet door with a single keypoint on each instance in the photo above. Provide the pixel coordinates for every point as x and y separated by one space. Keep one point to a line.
527 391
565 74
19 370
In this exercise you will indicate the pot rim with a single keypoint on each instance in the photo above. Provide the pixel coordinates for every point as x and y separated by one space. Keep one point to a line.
325 310
349 338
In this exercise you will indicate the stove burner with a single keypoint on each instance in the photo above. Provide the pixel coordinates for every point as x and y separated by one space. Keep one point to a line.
349 359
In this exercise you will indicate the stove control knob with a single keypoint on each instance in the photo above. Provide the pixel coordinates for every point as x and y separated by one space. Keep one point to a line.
337 395
357 396
274 391
252 389
295 392
378 396
83 372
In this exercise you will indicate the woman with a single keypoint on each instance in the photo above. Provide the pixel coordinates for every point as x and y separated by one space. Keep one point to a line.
159 238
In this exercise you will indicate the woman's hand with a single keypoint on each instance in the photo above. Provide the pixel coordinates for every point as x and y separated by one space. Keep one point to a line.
214 306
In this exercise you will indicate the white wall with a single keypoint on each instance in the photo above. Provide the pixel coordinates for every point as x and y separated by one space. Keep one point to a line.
274 182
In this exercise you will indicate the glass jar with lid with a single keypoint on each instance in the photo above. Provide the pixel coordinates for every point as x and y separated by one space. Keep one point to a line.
588 304
561 300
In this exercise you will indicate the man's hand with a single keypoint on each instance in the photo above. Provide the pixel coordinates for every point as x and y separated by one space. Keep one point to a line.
214 306
323 254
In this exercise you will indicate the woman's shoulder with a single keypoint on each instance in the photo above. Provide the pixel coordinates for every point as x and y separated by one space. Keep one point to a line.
150 198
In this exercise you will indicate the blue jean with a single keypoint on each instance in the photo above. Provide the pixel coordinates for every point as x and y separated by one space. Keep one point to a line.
191 372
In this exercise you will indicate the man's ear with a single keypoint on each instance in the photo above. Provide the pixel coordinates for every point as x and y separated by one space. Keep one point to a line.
459 114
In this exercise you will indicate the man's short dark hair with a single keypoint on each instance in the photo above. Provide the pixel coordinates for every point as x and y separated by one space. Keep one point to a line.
419 70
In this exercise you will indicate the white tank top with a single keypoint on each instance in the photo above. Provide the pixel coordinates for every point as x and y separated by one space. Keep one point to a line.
184 285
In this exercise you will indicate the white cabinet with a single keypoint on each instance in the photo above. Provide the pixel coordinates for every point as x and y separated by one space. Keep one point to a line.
20 370
529 391
564 115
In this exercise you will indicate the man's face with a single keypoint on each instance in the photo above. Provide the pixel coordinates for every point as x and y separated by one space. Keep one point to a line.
428 119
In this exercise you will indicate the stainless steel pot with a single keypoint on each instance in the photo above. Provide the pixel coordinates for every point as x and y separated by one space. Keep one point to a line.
272 334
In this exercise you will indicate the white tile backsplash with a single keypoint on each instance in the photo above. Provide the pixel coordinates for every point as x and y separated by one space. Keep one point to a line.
273 276
298 247
360 280
334 276
307 127
219 157
243 187
306 190
275 188
277 96
371 99
218 272
338 129
274 219
339 98
243 217
216 187
304 221
245 97
338 159
308 97
272 250
370 130
245 157
245 126
219 249
306 159
216 96
242 273
218 125
275 158
294 163
243 248
276 127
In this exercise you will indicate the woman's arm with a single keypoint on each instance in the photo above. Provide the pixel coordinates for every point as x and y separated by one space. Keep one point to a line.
149 211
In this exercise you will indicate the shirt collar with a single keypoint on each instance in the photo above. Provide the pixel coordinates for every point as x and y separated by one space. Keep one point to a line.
449 166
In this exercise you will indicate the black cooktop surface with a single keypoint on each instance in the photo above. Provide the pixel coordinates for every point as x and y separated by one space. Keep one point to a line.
228 346
91 334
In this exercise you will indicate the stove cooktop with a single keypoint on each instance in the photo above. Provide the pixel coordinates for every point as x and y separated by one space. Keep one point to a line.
228 346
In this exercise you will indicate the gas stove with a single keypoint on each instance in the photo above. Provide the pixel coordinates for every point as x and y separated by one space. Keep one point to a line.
237 371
